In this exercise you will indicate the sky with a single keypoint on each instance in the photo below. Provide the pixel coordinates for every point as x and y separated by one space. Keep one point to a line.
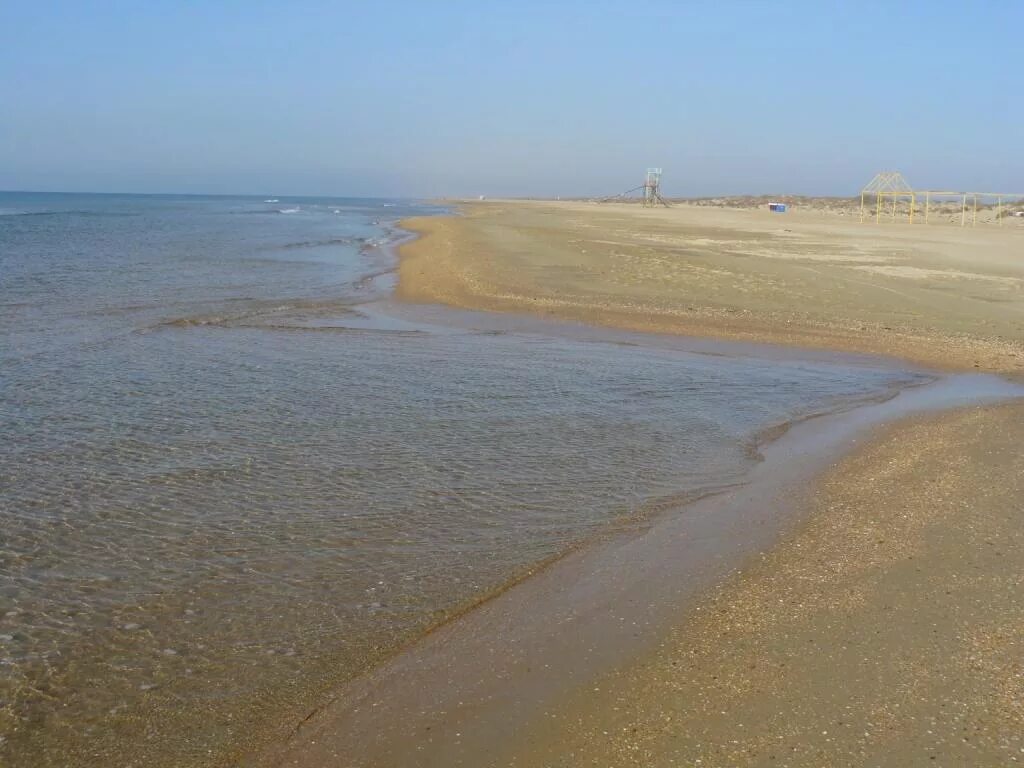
433 98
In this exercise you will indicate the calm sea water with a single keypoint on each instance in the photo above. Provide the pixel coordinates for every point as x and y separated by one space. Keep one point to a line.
220 497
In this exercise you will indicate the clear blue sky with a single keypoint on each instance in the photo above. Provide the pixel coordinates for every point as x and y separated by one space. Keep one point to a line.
545 98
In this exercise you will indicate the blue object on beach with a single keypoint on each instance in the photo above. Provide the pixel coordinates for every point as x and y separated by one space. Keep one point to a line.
777 207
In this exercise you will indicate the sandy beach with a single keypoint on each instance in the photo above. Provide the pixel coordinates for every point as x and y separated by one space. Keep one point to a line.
511 385
940 295
854 603
885 630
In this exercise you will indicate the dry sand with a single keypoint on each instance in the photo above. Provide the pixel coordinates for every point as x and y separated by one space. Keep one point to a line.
939 295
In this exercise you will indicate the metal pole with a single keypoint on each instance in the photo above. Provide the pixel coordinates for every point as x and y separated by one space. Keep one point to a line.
911 207
862 207
974 221
963 211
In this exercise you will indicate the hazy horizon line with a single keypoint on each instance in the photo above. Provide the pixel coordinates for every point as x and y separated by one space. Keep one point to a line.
417 197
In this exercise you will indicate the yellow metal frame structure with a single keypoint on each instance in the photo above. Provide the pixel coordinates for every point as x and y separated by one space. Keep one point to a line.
969 202
889 184
892 185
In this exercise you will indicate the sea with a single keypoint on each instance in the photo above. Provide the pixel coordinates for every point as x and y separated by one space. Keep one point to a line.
229 482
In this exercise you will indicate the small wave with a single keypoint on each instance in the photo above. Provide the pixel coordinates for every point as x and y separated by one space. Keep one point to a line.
338 329
373 243
22 212
328 241
272 200
262 314
188 322
288 210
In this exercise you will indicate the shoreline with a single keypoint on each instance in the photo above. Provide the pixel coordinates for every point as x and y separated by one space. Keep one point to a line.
462 692
343 724
884 629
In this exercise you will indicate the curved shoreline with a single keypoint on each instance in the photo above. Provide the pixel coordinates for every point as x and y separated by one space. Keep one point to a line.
884 629
459 694
373 715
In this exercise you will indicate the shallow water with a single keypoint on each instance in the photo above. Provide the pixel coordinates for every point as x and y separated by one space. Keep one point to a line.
223 492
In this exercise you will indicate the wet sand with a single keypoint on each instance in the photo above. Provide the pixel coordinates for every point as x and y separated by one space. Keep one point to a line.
882 629
498 686
939 295
887 631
